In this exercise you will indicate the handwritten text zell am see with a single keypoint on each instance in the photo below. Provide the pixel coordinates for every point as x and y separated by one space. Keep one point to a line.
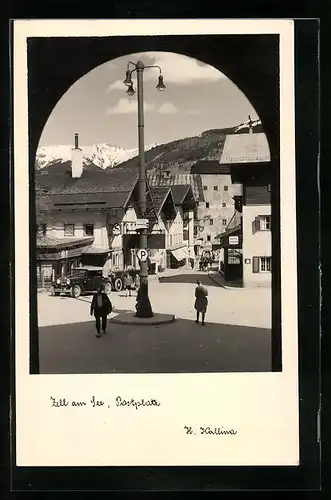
95 403
136 404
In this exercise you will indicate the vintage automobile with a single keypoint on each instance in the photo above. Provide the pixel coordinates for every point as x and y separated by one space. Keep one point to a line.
81 280
87 279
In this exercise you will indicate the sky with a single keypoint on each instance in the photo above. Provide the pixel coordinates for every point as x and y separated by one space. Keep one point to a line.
197 97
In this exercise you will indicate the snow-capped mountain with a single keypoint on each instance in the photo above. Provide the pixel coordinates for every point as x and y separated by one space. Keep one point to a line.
102 155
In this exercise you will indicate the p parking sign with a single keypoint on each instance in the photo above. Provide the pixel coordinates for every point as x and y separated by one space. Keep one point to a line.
142 254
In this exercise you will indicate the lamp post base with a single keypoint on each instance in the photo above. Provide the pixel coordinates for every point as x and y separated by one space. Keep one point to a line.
144 308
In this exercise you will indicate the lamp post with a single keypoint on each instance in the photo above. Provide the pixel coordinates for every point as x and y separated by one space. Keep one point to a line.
144 308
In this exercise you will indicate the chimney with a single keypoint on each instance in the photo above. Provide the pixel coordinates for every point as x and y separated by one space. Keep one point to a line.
76 160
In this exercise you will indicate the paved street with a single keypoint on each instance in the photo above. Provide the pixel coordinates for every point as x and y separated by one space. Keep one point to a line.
236 337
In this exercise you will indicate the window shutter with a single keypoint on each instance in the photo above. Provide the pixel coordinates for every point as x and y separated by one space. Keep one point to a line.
256 264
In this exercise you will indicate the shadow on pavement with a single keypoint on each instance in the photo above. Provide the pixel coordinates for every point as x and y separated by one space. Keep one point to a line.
179 347
189 278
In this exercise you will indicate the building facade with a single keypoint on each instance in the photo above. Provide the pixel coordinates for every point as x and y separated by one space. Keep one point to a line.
216 206
215 212
249 244
257 267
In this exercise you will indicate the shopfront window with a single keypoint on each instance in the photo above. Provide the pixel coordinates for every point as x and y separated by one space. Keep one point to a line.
69 229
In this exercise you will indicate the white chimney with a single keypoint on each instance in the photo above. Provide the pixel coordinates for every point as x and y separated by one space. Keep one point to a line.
76 160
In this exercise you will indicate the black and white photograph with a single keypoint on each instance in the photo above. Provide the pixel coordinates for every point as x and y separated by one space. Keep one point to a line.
159 168
153 182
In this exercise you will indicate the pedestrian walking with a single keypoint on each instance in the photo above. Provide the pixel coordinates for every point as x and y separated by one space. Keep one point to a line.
128 284
101 306
201 301
192 263
137 283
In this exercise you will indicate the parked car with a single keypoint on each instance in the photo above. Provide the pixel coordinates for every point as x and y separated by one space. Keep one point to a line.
81 280
117 278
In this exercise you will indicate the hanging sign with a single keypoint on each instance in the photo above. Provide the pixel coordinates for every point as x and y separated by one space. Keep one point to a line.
117 229
141 224
233 240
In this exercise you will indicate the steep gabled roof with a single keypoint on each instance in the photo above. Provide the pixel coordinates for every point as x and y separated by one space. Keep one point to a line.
183 196
100 201
245 148
96 188
180 192
57 179
174 179
160 195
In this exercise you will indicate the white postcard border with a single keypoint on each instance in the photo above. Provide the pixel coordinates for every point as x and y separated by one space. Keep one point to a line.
263 406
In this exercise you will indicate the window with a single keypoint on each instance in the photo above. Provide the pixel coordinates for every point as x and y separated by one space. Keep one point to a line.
261 264
265 264
208 237
265 223
215 188
211 222
207 204
223 222
78 272
205 188
88 229
226 188
69 229
234 256
223 205
262 223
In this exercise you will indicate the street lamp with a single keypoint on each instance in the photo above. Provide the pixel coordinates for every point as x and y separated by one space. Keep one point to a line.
144 308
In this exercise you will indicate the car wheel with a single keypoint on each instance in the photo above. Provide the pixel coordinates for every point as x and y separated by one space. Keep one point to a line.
107 287
76 291
118 285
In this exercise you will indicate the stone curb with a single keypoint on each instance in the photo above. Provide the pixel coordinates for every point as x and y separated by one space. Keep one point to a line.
227 287
131 319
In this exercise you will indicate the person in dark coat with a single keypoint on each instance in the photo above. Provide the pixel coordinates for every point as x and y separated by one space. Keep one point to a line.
100 308
201 301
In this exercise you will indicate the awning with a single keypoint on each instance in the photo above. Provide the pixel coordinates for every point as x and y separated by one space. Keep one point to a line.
179 254
45 243
245 148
